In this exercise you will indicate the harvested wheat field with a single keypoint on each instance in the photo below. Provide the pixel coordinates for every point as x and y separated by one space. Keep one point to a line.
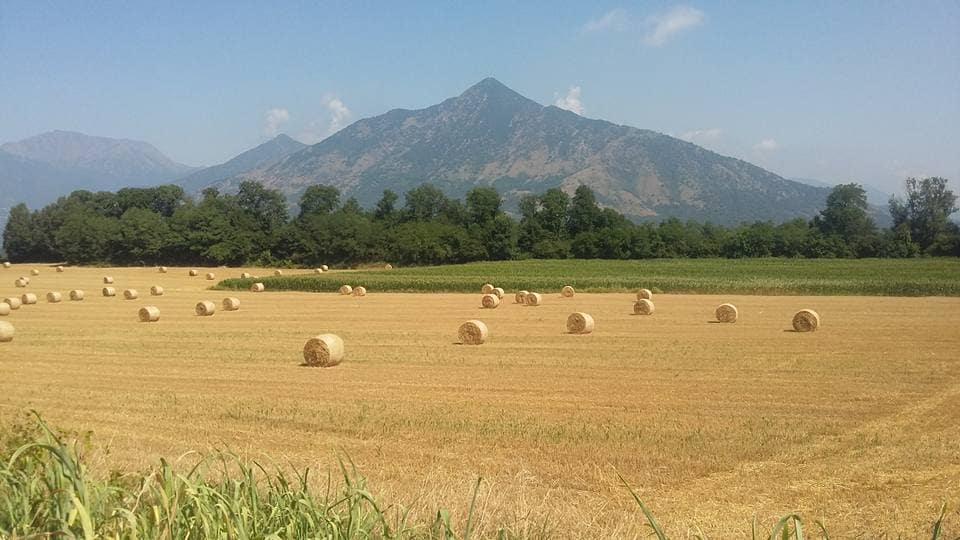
712 424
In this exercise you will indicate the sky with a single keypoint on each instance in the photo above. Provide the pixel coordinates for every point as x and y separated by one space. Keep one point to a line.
835 91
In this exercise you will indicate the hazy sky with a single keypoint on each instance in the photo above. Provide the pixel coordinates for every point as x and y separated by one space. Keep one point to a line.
864 91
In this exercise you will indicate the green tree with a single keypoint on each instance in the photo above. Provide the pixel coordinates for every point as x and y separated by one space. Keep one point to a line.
19 236
319 199
483 205
846 216
424 203
584 214
926 212
386 209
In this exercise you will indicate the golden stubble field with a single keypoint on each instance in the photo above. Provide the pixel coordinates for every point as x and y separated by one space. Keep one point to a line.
857 425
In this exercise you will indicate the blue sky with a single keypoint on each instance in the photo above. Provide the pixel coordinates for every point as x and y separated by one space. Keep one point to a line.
839 91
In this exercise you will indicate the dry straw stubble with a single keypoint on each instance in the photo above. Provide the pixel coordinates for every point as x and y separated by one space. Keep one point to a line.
490 301
473 332
231 304
324 350
567 291
149 314
206 308
806 320
6 332
76 295
643 307
727 313
580 323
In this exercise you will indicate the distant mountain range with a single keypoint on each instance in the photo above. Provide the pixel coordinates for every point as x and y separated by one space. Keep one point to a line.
39 169
487 136
260 157
493 136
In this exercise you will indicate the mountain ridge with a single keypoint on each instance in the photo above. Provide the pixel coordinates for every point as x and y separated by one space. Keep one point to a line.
491 135
260 156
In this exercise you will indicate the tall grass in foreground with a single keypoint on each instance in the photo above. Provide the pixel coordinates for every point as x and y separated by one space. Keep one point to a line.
45 492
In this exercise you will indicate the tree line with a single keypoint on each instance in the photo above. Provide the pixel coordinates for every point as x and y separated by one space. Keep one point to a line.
146 226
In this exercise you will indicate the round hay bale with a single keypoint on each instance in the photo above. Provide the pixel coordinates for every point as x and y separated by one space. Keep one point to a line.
13 302
388 266
245 275
59 269
4 309
520 297
360 291
257 287
533 299
486 288
727 313
211 276
643 307
149 314
490 301
567 292
325 350
231 304
193 273
346 289
156 290
7 264
6 332
130 294
324 267
34 272
163 269
499 292
806 320
21 283
644 294
473 332
109 291
579 323
107 280
318 270
28 299
54 297
76 295
278 272
206 308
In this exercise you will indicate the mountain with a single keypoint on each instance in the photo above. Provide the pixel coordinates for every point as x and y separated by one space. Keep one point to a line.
32 182
493 136
260 157
109 163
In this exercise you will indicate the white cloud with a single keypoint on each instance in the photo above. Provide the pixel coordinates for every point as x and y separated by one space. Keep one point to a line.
611 20
272 121
702 135
340 117
665 25
571 101
766 145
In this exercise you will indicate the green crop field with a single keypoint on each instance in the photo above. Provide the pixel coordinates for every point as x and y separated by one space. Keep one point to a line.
881 277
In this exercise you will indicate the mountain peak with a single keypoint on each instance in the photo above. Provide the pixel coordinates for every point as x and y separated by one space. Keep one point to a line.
492 89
